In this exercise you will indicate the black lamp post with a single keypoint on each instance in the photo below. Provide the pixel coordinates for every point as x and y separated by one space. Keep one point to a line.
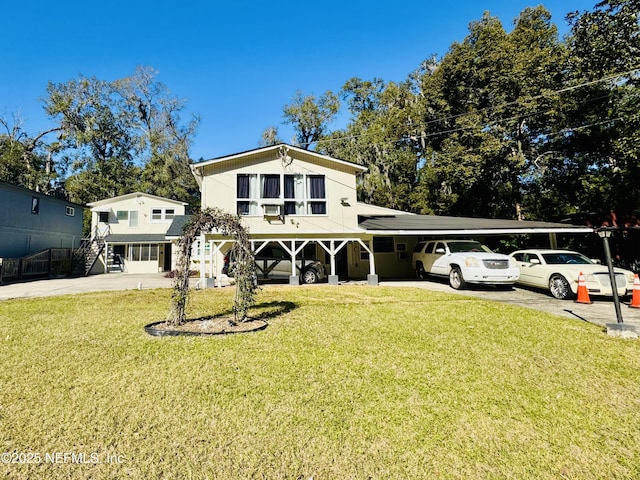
604 234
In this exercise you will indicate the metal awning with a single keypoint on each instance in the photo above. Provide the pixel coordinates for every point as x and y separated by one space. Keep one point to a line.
443 225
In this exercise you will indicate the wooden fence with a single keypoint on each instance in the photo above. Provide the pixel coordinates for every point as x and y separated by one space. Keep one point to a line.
51 261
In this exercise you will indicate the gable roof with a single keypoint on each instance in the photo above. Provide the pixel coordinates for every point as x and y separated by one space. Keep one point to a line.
443 225
286 148
49 198
128 196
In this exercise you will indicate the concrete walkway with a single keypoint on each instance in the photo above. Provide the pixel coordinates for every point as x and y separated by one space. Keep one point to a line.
600 311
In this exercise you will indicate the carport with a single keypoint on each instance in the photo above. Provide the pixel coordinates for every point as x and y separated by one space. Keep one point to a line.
405 229
430 225
440 226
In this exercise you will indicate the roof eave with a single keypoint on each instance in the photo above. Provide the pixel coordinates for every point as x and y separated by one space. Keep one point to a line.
482 231
235 156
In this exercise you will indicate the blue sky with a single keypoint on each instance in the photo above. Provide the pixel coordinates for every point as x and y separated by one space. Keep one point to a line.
236 63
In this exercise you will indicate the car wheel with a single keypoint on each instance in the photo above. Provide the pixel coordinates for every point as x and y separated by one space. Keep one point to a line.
420 272
456 280
309 276
559 287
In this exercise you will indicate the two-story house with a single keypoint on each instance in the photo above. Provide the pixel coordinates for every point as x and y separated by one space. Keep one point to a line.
31 222
134 228
304 201
307 203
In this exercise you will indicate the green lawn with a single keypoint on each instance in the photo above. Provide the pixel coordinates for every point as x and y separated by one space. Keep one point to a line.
353 382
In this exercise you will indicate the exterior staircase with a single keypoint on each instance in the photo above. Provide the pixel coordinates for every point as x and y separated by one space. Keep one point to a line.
86 256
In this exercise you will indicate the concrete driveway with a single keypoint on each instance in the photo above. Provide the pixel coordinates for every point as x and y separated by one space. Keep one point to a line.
92 283
600 312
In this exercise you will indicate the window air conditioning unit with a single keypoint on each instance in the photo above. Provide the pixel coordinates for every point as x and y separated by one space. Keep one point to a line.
273 212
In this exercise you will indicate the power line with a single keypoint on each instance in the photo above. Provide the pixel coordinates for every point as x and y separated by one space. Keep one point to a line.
494 122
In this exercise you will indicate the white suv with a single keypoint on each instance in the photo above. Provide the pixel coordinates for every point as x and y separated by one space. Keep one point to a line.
463 261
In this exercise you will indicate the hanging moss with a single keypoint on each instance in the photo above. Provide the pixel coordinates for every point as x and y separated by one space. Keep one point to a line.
213 219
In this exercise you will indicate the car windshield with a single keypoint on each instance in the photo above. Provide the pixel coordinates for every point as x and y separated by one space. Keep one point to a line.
566 258
456 247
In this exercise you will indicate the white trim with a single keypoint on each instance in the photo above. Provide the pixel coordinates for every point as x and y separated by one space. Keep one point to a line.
258 151
100 203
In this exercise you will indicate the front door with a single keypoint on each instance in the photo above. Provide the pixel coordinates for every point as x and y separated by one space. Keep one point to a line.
167 257
119 255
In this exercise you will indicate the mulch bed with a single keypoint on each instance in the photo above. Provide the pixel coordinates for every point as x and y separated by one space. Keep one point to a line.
205 326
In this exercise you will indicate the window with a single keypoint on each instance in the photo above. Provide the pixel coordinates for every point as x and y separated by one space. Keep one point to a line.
383 245
133 218
134 252
35 205
247 194
293 194
122 215
401 249
103 217
69 211
270 186
143 252
364 254
418 247
317 192
159 214
198 249
298 194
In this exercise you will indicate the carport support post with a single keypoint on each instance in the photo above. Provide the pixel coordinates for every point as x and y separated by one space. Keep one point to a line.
372 278
604 234
294 279
333 278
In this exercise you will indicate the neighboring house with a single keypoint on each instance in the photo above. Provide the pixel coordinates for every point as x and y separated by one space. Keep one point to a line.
307 203
133 228
31 222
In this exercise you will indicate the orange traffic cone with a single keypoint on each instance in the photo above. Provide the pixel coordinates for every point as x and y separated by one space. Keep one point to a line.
583 293
635 297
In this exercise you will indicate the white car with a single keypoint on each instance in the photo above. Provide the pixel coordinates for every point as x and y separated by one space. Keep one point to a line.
463 261
558 272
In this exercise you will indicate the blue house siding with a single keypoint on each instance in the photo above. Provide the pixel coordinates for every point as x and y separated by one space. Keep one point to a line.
31 222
